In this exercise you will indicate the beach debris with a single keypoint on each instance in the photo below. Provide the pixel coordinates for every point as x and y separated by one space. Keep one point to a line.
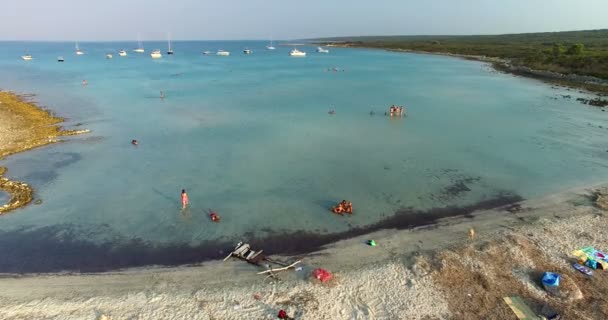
550 282
322 275
582 269
371 243
561 286
280 269
283 315
520 308
592 258
243 251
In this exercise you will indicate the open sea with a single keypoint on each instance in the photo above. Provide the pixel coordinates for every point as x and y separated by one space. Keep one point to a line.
250 137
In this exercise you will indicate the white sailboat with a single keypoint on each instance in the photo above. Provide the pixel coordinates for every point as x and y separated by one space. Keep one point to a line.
27 57
169 51
270 46
122 53
222 53
297 53
78 51
140 45
156 54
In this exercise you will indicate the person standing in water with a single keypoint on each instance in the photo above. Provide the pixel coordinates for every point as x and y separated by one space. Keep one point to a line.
162 95
184 199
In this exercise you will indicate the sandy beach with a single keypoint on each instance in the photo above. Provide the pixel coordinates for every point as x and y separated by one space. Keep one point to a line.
433 272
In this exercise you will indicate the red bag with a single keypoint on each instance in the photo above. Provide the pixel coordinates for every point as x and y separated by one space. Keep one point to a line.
322 275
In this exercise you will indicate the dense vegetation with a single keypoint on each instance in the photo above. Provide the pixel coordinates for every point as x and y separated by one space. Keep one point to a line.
572 52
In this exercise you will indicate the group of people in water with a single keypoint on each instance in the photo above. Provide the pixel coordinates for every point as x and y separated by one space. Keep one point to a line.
343 207
396 111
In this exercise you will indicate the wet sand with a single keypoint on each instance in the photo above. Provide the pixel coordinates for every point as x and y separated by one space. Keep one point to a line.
432 272
24 126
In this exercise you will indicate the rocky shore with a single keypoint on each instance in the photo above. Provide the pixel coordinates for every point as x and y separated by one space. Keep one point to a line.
24 126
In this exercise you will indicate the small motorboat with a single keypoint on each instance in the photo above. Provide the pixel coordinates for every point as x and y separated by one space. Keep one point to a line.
156 54
297 53
322 50
60 59
109 56
122 53
206 52
27 57
247 51
222 53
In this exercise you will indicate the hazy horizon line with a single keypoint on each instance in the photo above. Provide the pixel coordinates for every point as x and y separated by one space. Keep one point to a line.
308 39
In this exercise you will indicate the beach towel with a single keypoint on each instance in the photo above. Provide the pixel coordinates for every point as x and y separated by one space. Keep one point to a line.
587 253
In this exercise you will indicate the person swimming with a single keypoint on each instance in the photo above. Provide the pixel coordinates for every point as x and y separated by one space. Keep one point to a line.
84 82
134 142
214 216
184 199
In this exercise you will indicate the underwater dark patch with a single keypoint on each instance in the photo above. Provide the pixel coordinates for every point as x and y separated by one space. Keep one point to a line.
61 248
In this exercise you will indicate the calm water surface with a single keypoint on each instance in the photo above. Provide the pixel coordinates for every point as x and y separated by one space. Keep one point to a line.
250 137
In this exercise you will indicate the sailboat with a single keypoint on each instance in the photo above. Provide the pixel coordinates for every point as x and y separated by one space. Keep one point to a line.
78 51
122 53
270 46
170 51
140 46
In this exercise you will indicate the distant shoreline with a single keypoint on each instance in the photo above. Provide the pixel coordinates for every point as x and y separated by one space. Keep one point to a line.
24 126
592 84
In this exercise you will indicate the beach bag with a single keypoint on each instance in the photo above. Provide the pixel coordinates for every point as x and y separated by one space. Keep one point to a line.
322 275
551 282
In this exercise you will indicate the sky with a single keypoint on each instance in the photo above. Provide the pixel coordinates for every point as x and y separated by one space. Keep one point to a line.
108 20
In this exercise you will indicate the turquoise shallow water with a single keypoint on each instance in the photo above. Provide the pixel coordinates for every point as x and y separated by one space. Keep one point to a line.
250 137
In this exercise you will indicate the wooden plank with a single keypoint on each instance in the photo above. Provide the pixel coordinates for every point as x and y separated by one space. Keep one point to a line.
520 308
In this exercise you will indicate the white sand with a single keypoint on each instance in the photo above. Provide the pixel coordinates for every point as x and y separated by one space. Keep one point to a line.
370 282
